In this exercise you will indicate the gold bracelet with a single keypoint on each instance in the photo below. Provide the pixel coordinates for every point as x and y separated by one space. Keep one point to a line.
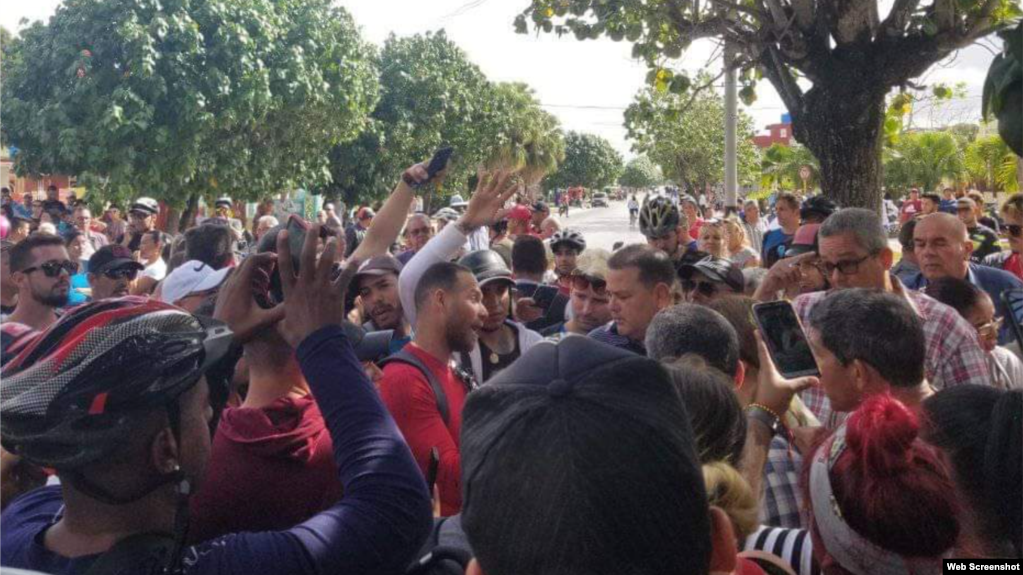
763 407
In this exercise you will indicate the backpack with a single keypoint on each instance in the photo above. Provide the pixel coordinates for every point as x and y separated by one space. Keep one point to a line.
407 358
445 552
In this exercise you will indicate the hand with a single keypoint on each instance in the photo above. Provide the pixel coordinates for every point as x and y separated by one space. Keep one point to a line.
491 193
806 438
526 310
774 391
236 302
312 299
783 274
417 174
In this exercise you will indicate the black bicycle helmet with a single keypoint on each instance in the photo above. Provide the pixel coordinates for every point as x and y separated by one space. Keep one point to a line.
820 206
658 217
72 396
568 236
488 266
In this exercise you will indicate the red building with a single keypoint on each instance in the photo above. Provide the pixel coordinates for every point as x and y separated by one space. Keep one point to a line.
776 134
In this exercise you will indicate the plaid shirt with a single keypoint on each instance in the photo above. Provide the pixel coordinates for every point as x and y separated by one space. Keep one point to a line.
954 356
783 500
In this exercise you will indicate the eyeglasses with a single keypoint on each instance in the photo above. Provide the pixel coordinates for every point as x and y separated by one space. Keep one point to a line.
990 329
122 273
1014 230
138 215
53 268
706 289
418 232
583 282
844 267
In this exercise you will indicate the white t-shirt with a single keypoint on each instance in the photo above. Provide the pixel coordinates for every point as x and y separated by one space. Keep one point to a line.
156 270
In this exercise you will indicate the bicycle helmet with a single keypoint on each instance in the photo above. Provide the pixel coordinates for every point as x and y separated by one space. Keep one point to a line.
658 217
82 386
568 236
488 266
819 206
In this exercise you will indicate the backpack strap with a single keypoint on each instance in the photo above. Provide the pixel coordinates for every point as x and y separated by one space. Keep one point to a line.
145 553
407 358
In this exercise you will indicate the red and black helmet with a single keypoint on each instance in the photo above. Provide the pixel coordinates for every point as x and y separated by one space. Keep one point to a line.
79 389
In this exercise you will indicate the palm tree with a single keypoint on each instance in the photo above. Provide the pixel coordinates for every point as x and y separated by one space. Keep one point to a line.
780 166
530 139
924 159
990 161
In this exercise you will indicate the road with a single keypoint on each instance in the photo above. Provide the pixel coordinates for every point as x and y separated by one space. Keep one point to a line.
602 227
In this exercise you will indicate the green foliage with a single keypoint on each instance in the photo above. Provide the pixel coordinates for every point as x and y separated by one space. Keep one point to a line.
590 162
1003 89
640 172
686 136
989 160
176 98
525 136
924 160
780 167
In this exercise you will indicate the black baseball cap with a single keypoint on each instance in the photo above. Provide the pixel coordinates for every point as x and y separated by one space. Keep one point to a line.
718 270
112 257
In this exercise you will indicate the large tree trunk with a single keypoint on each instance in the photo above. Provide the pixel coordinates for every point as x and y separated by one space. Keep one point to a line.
842 126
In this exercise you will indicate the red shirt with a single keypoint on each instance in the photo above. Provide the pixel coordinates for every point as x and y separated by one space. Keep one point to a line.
910 208
407 394
1014 265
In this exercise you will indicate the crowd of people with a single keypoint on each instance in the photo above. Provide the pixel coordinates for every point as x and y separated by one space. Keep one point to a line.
481 391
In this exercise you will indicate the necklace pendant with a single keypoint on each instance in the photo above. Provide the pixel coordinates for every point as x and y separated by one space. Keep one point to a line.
494 358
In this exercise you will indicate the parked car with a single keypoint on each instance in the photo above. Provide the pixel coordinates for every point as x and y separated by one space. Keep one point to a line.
599 200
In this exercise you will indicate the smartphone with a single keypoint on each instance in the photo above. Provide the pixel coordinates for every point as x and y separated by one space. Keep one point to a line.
1012 299
440 160
431 471
785 339
544 296
297 231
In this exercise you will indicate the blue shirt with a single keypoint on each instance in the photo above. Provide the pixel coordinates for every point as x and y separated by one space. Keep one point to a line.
378 527
776 242
609 334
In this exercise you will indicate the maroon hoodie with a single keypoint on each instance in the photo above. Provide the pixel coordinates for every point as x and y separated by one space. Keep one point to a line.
271 468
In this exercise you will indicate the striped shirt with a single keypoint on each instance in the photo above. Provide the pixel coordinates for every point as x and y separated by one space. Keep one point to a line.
793 546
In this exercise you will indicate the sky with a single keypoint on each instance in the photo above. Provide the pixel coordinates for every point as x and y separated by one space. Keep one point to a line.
586 84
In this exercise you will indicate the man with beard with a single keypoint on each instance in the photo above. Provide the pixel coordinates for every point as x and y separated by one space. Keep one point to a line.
141 219
41 269
112 271
668 230
424 392
589 300
376 284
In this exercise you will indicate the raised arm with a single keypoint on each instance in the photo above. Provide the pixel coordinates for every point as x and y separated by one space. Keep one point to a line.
392 215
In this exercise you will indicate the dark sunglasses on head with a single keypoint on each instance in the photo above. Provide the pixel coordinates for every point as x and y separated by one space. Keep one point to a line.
583 282
122 273
1014 230
53 268
708 289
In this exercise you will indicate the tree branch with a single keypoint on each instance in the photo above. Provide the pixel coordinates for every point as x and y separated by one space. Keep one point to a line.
897 19
781 78
743 9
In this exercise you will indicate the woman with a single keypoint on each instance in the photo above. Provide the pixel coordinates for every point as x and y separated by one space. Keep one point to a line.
1010 260
739 249
79 250
975 305
712 239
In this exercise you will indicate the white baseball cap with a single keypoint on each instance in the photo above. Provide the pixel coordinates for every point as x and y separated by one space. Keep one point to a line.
191 277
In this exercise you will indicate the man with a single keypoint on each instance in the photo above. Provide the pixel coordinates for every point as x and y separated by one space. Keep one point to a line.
449 312
985 240
112 271
191 283
639 280
357 230
1010 260
223 213
529 265
444 216
418 231
8 290
854 252
691 210
929 204
21 227
695 329
564 412
816 209
142 218
376 284
501 242
83 221
908 265
52 205
41 269
753 225
154 446
263 225
667 230
519 218
776 241
911 207
500 341
948 201
333 221
979 209
151 257
540 213
943 248
566 245
549 227
591 303
213 244
115 225
711 278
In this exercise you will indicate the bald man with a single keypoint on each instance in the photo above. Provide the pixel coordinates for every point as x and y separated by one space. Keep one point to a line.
943 248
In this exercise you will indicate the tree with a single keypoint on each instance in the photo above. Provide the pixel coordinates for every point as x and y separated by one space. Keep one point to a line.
1003 89
780 168
990 162
177 99
525 137
640 172
686 137
844 51
590 162
924 160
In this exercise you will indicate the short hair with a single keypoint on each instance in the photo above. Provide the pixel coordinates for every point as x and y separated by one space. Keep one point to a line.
1013 206
157 236
956 293
528 256
441 275
211 244
715 415
932 196
738 311
789 198
655 267
863 223
875 327
72 235
271 221
690 328
21 253
906 235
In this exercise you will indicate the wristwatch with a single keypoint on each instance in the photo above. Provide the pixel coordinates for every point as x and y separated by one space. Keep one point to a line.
757 413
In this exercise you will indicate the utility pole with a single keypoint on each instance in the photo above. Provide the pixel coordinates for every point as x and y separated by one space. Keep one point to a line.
731 119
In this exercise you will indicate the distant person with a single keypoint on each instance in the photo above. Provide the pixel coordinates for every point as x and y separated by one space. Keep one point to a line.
1010 260
911 207
930 203
985 240
777 240
754 225
356 231
142 218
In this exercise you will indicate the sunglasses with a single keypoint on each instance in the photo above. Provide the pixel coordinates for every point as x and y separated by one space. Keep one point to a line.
990 329
706 289
53 268
122 273
1014 230
583 282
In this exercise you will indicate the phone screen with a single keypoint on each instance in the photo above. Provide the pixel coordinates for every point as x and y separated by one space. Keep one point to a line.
544 296
785 339
297 230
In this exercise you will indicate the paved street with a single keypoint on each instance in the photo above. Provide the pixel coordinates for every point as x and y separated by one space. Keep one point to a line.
602 227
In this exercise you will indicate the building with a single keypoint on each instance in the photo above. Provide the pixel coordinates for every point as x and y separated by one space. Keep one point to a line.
776 134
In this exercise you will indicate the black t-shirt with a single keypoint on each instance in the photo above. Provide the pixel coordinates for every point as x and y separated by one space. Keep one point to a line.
134 244
985 242
555 314
493 363
989 222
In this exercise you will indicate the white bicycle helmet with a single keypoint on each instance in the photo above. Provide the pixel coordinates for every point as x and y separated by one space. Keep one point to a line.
570 237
